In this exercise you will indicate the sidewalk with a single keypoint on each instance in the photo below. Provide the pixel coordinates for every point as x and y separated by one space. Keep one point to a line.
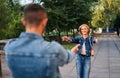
105 64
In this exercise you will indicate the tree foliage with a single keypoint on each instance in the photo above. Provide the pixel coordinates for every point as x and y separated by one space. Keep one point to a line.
104 12
64 15
12 26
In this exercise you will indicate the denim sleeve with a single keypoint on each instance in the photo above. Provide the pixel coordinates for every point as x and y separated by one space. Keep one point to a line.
63 56
75 40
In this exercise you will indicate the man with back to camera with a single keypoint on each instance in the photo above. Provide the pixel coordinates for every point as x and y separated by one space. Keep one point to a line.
30 56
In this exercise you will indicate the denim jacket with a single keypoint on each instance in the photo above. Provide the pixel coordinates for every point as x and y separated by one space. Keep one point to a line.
30 56
88 43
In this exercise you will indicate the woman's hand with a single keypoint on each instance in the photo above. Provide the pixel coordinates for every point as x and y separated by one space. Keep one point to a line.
96 40
65 38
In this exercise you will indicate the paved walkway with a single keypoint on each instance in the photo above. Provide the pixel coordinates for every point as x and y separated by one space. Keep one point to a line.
105 64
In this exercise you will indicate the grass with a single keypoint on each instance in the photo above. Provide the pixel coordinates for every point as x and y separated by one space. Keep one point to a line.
68 46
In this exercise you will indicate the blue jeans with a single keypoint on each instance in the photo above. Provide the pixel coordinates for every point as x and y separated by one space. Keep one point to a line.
83 64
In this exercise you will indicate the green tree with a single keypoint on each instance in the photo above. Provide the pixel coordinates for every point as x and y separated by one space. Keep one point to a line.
13 26
104 13
3 16
64 15
69 14
3 13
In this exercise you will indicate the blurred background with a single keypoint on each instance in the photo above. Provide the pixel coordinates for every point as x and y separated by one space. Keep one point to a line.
65 16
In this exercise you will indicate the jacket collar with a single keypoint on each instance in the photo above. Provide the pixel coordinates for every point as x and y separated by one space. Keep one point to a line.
85 38
30 35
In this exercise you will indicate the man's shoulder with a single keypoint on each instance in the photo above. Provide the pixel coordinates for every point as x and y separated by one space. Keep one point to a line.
9 44
11 40
55 44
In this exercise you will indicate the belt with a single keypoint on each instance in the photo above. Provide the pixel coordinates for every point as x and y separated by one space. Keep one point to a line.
83 55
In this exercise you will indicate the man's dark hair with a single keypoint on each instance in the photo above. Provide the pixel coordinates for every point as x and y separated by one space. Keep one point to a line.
34 13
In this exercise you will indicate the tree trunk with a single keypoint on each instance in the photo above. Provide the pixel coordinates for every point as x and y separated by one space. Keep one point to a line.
33 1
118 32
59 36
67 33
0 67
107 29
73 32
12 3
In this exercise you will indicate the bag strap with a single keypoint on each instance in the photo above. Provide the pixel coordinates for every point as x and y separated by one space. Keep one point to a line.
91 45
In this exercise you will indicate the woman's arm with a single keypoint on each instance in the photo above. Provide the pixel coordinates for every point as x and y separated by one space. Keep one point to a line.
73 40
66 38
